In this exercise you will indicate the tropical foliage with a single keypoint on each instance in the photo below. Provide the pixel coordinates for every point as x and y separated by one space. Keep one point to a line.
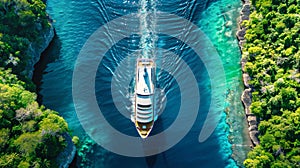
30 134
273 55
22 21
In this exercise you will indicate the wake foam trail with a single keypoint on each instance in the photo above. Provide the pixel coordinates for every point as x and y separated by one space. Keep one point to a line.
147 15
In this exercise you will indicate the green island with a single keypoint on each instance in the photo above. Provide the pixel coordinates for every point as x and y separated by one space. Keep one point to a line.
30 134
273 60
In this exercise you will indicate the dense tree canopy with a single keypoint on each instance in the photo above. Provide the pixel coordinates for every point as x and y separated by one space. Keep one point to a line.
22 21
29 133
272 51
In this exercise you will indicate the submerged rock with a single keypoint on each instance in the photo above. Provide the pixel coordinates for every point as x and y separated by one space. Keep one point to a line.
228 24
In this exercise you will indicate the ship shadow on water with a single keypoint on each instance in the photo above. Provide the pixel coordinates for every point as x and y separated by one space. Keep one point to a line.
154 160
165 103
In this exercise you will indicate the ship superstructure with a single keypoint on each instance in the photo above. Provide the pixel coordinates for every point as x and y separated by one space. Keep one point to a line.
144 114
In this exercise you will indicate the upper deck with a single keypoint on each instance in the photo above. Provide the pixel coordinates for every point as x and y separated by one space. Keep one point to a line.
144 98
145 77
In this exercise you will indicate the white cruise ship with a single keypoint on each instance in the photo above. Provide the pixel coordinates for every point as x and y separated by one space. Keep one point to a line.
144 114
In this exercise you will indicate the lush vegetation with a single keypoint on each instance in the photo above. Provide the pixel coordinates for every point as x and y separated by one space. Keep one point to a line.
30 135
273 55
22 22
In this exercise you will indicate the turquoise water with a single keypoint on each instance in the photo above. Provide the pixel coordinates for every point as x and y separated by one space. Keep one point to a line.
75 21
221 28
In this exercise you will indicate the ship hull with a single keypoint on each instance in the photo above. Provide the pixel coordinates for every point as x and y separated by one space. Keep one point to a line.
144 96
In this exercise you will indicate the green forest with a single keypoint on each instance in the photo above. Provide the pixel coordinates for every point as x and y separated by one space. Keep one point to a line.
22 22
30 134
273 61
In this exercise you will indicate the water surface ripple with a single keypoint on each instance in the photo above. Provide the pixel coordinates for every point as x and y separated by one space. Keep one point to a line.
75 21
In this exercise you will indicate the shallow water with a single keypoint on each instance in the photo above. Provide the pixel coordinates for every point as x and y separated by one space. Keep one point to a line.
75 21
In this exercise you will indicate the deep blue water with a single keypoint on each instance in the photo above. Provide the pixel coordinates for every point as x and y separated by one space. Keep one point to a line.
75 21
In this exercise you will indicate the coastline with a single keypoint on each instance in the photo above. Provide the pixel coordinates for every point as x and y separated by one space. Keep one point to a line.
36 49
246 96
275 117
226 26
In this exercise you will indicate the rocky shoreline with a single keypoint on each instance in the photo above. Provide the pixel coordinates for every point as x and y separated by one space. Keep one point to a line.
35 49
66 157
246 96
